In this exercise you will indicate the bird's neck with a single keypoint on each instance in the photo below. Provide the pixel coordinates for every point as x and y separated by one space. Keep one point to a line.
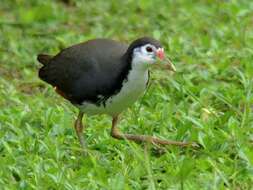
138 65
138 75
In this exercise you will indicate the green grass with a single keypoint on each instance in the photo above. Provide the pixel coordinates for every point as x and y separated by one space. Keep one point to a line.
209 100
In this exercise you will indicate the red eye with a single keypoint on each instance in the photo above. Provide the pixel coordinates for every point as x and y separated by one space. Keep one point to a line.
149 49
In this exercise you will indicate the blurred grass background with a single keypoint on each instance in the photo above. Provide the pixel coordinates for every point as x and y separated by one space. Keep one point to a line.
209 100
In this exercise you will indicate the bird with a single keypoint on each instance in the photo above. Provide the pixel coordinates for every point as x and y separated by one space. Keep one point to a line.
104 76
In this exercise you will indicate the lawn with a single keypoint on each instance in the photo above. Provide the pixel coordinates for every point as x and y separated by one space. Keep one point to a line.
209 100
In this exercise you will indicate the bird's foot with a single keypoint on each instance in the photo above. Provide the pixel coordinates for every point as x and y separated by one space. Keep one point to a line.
153 140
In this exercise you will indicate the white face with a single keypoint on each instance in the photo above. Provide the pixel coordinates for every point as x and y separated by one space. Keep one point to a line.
145 55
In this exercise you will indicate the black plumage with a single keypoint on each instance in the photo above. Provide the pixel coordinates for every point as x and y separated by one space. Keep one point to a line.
91 71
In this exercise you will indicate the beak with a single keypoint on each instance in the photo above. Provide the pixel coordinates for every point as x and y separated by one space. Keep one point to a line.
168 65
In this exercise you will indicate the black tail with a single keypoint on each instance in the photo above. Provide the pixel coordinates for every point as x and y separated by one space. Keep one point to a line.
44 59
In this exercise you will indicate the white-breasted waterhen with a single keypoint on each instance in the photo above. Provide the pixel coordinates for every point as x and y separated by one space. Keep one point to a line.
104 76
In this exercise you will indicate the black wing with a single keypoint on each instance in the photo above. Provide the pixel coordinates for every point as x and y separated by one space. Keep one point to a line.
91 71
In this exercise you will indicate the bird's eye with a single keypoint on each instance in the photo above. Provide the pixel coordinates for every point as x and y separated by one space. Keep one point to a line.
149 49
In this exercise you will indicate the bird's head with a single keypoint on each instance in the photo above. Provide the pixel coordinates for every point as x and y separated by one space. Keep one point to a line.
147 51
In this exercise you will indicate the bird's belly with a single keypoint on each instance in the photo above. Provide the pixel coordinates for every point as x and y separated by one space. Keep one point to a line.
131 90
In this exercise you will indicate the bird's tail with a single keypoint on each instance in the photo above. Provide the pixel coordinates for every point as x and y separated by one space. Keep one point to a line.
44 58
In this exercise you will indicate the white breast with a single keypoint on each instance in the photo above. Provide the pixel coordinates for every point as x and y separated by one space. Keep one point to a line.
131 90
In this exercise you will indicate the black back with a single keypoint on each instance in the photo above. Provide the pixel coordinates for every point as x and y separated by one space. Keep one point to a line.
91 71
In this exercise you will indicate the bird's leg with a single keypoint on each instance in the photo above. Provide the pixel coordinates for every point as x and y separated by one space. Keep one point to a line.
79 129
142 138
